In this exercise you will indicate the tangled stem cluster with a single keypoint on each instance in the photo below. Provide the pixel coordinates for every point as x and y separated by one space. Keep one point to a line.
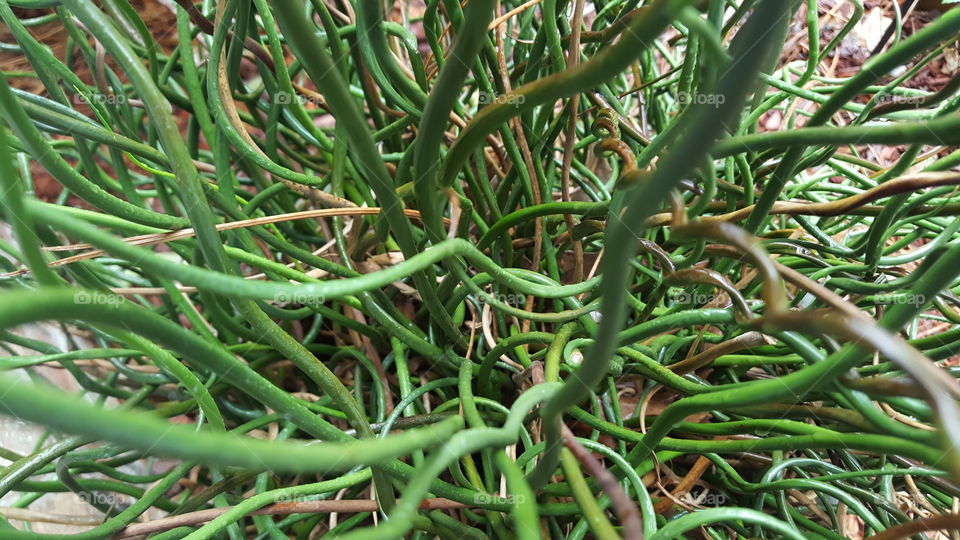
482 269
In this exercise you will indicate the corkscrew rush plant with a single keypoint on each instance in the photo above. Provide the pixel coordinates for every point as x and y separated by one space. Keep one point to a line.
548 269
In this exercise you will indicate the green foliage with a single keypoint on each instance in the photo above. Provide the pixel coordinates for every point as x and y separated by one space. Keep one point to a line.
501 262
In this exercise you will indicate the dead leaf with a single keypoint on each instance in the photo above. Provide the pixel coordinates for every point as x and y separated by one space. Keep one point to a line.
871 28
951 61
